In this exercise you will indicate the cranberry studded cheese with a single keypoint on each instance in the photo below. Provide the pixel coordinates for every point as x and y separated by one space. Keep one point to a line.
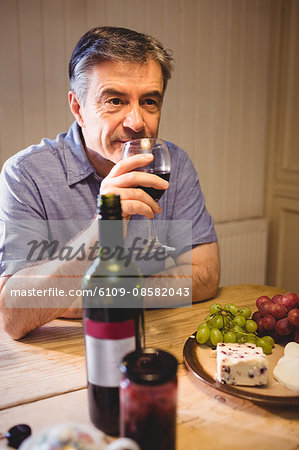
241 364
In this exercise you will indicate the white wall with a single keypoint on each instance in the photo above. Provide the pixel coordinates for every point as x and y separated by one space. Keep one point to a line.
216 103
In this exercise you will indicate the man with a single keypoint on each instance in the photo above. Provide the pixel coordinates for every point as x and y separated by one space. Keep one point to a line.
117 82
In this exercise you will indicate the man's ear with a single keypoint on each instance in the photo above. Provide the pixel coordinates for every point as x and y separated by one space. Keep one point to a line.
75 108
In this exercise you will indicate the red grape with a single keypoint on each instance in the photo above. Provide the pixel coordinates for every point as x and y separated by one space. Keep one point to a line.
276 299
293 317
266 308
269 322
290 300
260 327
277 338
256 315
279 311
283 327
262 299
278 316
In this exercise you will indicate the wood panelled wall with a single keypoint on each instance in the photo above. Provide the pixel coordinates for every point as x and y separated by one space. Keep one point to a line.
216 103
282 205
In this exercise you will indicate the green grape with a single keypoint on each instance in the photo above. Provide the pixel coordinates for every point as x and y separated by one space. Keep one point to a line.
239 320
238 330
227 306
216 307
246 312
229 337
251 338
227 322
203 333
267 349
269 339
234 309
251 326
217 322
208 321
230 325
266 346
209 343
216 336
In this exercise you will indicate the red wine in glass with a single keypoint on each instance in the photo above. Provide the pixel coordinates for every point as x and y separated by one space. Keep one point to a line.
160 166
156 194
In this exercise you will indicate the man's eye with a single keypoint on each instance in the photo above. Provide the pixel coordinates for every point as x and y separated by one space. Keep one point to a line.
150 102
115 101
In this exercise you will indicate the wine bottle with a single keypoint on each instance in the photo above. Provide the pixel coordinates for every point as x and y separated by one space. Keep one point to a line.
113 316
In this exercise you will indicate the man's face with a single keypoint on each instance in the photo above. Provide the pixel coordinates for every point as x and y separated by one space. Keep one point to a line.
123 102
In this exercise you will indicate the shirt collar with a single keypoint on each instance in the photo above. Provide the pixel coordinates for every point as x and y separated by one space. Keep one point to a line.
77 164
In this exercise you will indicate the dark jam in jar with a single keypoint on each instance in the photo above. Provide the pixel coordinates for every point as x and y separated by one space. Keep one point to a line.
148 398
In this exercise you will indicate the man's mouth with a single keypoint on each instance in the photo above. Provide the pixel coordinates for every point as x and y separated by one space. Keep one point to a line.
123 140
119 143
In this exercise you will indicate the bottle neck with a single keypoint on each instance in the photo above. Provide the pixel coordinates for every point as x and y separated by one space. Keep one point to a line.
110 233
110 225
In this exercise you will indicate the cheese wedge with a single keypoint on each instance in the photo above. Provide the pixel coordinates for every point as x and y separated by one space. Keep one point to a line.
241 364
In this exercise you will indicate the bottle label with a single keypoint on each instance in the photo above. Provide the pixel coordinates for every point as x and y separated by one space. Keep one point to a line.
106 344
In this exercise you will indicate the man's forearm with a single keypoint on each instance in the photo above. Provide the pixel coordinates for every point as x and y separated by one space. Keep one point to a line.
42 292
180 285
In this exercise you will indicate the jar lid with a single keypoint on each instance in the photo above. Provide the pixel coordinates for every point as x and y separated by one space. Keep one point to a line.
149 366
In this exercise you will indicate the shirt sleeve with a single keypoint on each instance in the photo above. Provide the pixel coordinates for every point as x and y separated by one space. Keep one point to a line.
22 218
190 224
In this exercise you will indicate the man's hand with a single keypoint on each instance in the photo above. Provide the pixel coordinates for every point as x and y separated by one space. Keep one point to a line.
124 181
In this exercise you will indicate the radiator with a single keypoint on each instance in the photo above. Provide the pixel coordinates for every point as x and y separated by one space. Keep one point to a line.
243 251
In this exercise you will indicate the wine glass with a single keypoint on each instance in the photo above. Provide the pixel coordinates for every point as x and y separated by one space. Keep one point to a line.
161 166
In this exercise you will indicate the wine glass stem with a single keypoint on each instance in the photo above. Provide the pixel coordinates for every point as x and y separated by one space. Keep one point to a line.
152 230
153 240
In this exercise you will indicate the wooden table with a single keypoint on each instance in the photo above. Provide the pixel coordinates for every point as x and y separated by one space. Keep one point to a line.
43 382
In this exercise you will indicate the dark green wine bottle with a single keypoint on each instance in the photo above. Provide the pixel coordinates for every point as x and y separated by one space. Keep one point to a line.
113 316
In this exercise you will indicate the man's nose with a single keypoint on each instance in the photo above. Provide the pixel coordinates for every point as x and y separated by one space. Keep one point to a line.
134 119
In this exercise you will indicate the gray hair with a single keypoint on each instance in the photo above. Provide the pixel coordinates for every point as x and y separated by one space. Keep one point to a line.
115 44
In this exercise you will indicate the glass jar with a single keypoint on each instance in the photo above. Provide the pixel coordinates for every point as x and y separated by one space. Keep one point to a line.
148 398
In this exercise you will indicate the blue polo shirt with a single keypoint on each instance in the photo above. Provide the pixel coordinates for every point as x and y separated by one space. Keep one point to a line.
52 184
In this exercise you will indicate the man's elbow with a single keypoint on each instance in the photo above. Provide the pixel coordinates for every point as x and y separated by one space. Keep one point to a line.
11 319
206 285
11 322
211 288
9 325
213 282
